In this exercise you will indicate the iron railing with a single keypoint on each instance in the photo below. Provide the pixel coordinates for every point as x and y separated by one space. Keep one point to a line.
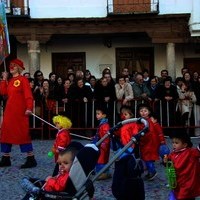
17 8
84 121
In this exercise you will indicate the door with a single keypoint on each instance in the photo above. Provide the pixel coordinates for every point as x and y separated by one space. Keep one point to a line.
135 59
62 61
193 64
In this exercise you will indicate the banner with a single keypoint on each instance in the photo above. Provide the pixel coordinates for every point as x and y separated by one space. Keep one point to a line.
4 35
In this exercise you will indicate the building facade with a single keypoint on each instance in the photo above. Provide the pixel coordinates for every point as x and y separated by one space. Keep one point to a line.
94 34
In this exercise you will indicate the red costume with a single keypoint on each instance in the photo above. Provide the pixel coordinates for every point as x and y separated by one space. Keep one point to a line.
56 184
127 131
187 166
105 145
62 140
158 129
15 126
149 143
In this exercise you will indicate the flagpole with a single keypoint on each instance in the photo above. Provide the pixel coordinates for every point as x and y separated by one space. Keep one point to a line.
4 64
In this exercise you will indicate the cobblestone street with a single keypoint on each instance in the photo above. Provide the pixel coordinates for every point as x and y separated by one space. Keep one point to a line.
10 177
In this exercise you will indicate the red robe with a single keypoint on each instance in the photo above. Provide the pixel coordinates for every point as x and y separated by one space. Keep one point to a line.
158 129
62 140
105 145
127 131
187 166
149 143
56 184
15 126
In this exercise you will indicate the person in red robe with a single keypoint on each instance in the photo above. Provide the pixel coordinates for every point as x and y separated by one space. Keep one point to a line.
19 105
127 182
149 144
103 129
186 162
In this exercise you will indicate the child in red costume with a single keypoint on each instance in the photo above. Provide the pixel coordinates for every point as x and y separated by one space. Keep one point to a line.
163 148
123 135
149 144
127 182
127 131
186 162
19 105
58 183
103 128
63 138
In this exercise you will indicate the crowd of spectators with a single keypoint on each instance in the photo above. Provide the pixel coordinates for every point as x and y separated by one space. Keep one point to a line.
176 103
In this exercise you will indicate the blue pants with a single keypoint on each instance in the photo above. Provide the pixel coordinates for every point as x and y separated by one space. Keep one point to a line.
6 148
98 167
150 166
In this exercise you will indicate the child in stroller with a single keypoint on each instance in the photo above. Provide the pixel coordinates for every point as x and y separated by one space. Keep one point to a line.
74 167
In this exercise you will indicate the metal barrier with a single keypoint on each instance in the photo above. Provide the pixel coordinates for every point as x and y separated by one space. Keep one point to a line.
84 118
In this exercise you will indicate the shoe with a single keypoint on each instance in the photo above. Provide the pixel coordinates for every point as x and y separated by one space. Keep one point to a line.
104 176
151 176
30 162
5 161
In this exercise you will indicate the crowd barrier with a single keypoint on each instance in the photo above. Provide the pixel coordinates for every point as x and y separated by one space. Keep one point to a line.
83 116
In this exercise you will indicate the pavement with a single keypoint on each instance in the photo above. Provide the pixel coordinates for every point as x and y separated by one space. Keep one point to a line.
10 177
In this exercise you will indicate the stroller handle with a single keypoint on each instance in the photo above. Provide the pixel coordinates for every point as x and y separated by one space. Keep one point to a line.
120 124
140 120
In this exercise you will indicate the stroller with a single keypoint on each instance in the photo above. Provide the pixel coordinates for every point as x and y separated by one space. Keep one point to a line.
80 182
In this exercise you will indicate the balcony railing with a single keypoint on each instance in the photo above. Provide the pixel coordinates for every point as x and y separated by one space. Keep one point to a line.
116 7
17 8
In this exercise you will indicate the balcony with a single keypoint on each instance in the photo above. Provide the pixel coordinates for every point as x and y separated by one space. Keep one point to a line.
17 8
119 7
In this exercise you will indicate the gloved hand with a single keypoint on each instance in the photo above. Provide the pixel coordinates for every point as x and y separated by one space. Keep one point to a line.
95 139
163 150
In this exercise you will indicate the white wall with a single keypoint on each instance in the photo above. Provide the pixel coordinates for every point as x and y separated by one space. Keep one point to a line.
175 6
67 8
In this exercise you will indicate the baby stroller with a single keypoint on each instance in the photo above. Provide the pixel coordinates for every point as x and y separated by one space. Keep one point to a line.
80 183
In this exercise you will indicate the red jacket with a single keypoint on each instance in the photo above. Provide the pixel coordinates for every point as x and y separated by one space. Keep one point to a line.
62 140
105 145
127 131
187 166
149 143
158 129
56 184
15 126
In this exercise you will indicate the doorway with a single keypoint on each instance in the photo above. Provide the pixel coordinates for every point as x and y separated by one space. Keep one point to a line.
62 61
193 64
135 59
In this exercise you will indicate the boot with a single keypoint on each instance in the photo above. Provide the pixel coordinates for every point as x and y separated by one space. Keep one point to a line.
5 161
30 162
